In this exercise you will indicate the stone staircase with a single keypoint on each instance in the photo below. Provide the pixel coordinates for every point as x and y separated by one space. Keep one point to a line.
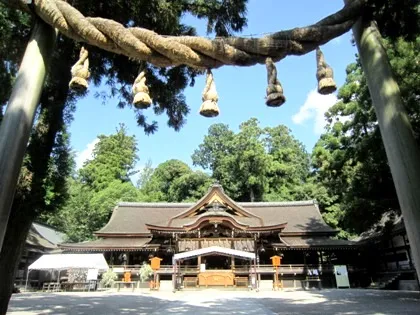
386 281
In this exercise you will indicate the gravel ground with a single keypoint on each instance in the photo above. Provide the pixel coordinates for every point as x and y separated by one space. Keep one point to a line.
212 301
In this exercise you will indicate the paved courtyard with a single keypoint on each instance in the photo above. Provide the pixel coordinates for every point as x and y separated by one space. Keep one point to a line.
215 302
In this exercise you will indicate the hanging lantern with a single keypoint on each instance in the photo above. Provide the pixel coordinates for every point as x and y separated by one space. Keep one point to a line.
80 72
275 96
142 98
209 106
324 75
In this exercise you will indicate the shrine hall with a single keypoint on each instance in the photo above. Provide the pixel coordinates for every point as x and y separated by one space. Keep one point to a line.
219 242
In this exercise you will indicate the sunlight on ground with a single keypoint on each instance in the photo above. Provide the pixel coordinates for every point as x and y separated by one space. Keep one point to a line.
345 302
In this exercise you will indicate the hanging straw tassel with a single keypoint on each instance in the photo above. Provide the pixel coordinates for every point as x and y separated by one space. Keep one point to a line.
142 99
275 96
80 72
209 106
324 75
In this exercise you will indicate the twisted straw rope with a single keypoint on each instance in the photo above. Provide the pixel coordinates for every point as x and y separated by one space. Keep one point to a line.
142 44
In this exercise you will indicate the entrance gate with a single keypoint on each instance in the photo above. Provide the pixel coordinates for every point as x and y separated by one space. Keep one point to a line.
208 277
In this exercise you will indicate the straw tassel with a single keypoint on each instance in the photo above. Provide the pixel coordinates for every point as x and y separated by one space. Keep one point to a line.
142 98
275 96
80 72
324 75
209 106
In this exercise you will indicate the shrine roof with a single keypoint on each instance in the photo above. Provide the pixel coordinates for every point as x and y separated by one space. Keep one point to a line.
35 239
110 244
138 219
305 242
132 218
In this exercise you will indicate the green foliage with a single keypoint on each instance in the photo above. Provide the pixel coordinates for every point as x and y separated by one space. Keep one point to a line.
395 18
114 157
166 85
289 166
74 218
189 187
108 278
87 211
174 181
144 174
350 159
255 164
102 183
224 17
14 30
145 272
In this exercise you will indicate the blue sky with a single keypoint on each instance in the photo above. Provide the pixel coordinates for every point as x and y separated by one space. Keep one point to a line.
241 91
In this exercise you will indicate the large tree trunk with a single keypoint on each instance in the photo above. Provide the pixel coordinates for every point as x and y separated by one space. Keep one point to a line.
397 134
29 201
16 125
14 242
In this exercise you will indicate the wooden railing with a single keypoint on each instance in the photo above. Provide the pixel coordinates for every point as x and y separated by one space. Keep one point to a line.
262 268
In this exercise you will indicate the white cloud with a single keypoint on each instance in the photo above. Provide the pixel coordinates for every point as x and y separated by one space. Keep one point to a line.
86 154
314 108
336 41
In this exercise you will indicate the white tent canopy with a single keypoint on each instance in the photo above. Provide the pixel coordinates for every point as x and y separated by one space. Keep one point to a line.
70 261
214 249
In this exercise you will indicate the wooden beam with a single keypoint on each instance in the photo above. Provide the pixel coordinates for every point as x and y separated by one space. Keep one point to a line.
17 122
401 148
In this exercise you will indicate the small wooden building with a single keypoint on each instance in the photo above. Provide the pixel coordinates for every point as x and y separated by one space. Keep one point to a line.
295 231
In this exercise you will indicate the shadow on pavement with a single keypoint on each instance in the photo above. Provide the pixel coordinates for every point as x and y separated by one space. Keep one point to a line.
216 302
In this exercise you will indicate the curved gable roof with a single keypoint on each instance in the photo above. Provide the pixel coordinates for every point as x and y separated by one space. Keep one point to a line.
216 193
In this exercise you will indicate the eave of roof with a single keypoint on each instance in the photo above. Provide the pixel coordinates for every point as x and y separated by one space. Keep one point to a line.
316 242
111 244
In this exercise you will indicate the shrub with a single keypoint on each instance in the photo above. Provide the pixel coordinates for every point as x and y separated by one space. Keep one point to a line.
108 278
146 272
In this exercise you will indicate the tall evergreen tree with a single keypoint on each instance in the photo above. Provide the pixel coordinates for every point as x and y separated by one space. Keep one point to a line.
350 158
174 181
255 164
99 185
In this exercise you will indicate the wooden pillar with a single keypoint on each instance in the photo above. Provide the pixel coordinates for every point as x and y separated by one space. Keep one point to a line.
18 119
401 148
407 248
395 253
174 275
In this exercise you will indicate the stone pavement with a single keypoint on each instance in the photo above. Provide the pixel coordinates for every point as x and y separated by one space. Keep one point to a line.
212 301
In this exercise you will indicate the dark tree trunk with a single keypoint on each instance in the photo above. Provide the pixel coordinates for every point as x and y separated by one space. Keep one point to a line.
14 242
251 195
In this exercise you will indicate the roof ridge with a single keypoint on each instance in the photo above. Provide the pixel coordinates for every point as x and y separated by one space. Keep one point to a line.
155 204
189 204
279 203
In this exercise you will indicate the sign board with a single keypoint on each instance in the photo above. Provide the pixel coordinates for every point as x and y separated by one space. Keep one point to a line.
202 267
341 276
127 276
118 270
275 260
155 263
92 274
